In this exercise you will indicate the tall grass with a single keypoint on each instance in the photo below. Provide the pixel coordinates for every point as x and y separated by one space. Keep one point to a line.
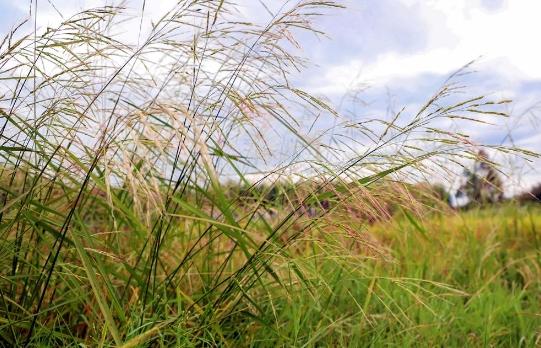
117 223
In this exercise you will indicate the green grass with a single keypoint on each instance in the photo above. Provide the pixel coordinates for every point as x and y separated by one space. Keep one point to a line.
135 178
473 280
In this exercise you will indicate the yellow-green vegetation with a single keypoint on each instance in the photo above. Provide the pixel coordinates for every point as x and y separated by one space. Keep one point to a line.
142 203
491 257
466 279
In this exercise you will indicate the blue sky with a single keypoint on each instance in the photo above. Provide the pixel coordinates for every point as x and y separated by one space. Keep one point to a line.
401 51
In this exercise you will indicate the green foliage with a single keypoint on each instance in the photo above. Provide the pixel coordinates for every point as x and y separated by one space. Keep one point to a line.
474 281
119 227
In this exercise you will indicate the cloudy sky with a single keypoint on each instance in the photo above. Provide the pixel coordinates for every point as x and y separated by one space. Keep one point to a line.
404 49
401 51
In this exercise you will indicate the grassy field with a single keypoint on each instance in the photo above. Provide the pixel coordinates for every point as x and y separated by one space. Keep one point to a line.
469 279
146 199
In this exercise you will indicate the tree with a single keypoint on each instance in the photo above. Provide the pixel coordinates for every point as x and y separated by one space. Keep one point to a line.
483 184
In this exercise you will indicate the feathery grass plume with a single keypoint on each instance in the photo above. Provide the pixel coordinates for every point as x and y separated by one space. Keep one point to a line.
117 224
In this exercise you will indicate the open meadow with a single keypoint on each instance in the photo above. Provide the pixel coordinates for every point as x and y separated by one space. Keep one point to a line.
165 181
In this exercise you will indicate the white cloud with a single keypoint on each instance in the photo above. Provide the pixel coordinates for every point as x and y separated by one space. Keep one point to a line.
458 31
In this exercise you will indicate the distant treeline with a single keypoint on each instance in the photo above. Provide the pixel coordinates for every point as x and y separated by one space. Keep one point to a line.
532 195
